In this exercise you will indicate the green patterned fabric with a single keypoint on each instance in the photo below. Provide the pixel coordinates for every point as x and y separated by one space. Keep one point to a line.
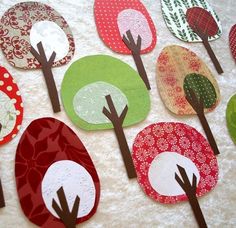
231 117
174 14
90 79
202 87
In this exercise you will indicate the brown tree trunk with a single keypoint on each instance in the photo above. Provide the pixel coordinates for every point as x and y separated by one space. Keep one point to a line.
47 72
117 122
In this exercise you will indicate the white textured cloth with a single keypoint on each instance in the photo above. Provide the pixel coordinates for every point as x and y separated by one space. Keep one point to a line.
122 202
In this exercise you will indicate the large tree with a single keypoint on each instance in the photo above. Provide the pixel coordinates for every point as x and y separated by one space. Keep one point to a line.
56 180
102 92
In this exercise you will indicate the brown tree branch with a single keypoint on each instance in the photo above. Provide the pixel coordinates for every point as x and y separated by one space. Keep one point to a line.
190 190
68 217
117 121
135 49
47 72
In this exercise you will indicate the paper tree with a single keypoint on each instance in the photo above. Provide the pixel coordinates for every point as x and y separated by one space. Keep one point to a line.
11 112
205 26
187 86
231 117
56 180
102 92
126 27
174 162
232 41
193 21
35 36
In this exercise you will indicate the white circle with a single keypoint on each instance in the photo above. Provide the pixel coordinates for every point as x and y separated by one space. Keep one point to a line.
52 37
1 83
6 75
75 180
162 171
9 88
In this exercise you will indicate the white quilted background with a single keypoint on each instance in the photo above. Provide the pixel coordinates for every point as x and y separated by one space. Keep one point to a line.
122 202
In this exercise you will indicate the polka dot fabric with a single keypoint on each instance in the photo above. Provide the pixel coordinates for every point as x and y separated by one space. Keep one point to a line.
179 138
106 16
202 87
9 87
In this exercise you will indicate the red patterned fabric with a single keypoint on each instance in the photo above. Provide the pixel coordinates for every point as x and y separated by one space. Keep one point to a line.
44 142
106 14
179 138
232 40
9 88
203 20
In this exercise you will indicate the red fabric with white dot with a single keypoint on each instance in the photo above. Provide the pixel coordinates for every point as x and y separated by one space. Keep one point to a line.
106 15
10 88
179 138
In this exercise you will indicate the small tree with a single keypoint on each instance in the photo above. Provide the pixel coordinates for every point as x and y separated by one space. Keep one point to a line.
126 28
205 26
102 92
11 112
33 35
56 180
174 162
193 21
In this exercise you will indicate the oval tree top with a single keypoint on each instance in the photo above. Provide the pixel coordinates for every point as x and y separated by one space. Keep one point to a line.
89 80
17 38
178 68
174 13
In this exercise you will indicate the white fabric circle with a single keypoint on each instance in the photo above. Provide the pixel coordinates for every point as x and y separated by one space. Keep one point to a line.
89 101
52 37
75 180
162 171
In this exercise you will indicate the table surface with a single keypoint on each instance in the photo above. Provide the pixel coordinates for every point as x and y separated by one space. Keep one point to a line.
122 202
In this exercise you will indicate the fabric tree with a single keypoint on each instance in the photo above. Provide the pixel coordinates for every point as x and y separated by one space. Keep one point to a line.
11 112
232 41
175 163
56 180
126 27
33 35
205 26
187 86
193 21
101 92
